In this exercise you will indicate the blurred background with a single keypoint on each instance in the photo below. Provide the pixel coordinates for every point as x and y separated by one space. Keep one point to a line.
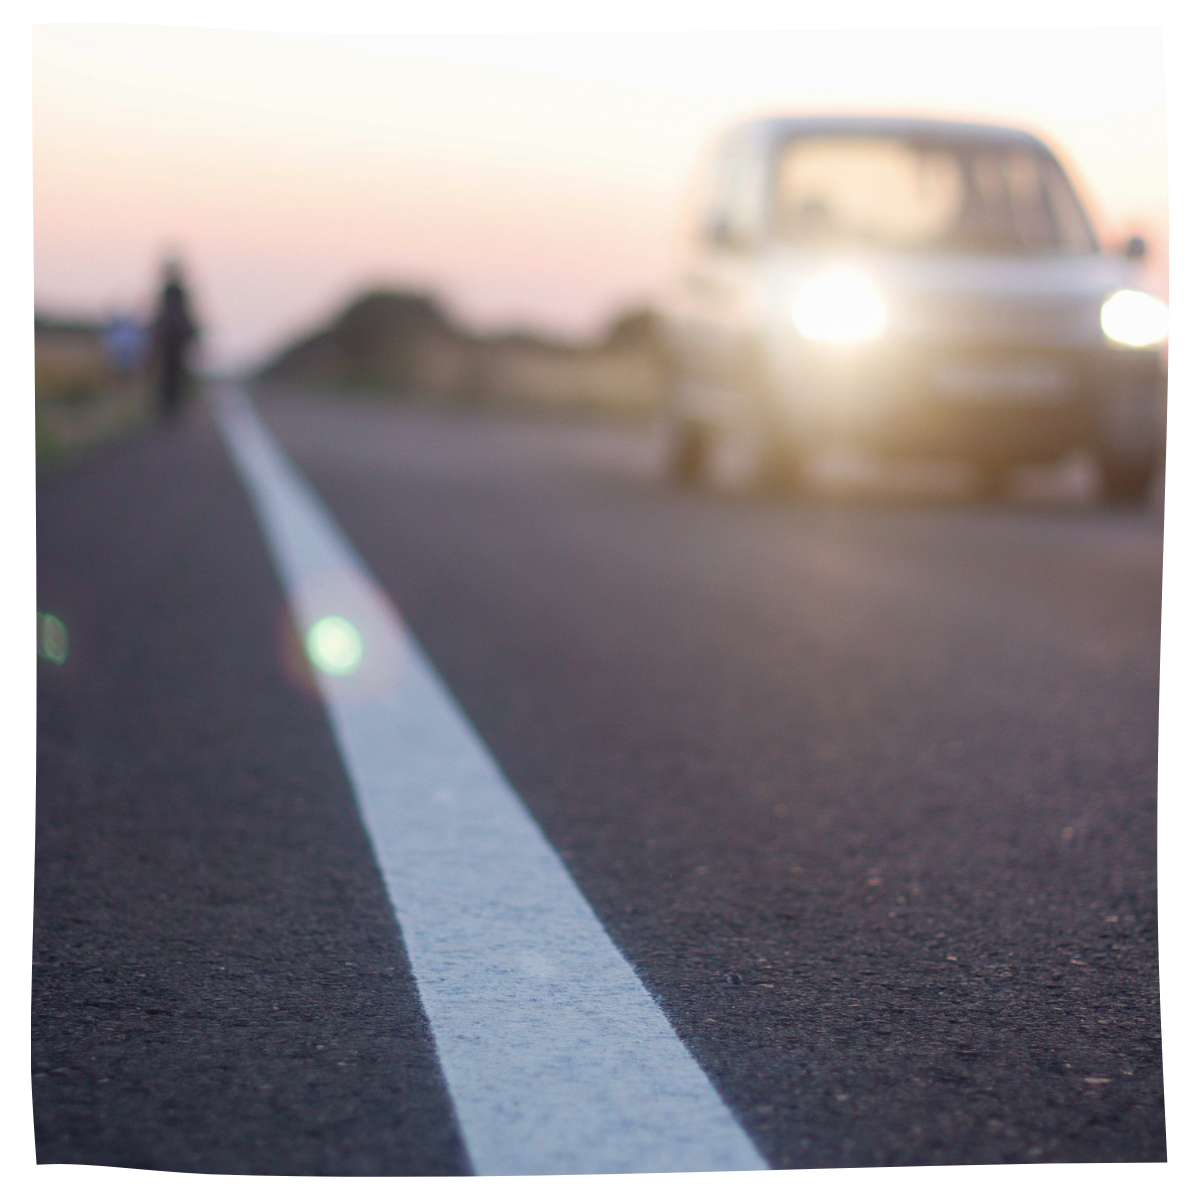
506 203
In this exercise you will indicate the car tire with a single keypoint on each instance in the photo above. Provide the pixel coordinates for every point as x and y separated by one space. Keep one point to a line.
1130 446
747 454
686 451
750 456
1125 481
991 480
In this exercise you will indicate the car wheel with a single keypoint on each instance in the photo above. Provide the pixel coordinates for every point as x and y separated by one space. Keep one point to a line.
991 480
1125 481
685 451
1131 442
749 455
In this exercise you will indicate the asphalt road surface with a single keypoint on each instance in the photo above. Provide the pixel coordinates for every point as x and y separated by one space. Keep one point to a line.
862 789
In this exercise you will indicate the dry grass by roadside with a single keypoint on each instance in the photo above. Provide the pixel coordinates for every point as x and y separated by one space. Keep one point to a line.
80 402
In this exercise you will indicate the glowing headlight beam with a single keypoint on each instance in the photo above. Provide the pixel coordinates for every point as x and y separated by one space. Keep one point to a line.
334 646
842 306
1134 318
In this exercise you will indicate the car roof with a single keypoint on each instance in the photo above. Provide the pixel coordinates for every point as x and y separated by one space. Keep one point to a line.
783 128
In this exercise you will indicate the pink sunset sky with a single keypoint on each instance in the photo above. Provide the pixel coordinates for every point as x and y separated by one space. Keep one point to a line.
526 178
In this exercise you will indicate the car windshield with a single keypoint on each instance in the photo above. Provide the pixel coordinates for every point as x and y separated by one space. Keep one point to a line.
835 192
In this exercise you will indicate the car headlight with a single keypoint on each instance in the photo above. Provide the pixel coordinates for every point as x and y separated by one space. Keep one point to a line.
842 306
1134 318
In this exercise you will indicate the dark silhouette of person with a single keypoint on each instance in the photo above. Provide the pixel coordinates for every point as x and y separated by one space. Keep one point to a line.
174 331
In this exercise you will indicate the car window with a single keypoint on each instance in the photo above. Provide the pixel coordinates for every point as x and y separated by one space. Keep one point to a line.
1074 232
744 193
729 195
894 193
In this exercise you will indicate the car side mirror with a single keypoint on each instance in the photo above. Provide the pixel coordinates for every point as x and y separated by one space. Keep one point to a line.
719 231
1135 248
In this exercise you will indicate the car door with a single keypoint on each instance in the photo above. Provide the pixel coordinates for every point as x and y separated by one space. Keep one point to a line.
715 310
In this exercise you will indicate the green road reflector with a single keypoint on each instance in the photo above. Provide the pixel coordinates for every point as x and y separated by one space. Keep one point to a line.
52 638
334 646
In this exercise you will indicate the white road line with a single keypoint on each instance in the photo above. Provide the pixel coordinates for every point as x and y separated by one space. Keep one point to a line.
557 1059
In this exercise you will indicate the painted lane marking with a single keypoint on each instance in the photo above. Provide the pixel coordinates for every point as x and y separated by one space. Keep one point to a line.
557 1059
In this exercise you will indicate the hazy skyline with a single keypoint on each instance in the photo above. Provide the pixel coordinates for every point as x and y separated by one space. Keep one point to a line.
526 179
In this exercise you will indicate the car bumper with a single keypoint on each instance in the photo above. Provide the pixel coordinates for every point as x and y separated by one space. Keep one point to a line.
977 400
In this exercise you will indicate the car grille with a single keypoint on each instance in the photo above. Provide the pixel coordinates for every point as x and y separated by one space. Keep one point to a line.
964 321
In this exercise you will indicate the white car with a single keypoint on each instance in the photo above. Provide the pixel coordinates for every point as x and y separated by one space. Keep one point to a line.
908 287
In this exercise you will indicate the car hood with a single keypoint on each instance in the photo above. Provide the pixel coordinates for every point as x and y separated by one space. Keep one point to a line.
1082 277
